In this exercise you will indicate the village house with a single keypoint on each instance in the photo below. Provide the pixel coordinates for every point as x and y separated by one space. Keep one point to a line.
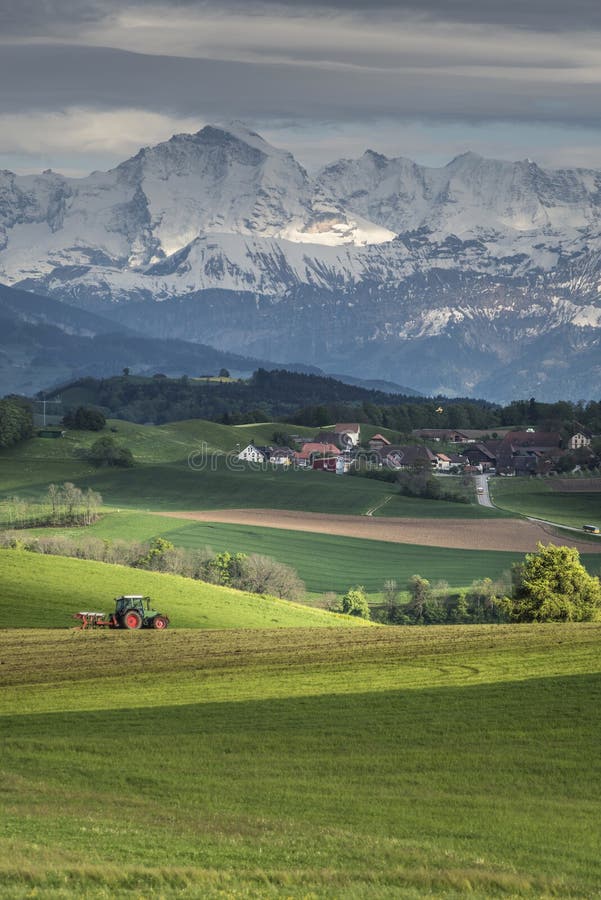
377 442
581 438
443 462
349 432
254 454
404 457
482 455
311 451
528 452
447 435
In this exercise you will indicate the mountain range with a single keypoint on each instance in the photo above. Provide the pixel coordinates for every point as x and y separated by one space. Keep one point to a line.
481 277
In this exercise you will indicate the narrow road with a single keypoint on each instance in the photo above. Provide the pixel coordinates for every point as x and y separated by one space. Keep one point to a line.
482 492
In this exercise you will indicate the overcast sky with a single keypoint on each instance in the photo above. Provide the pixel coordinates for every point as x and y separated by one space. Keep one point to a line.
85 83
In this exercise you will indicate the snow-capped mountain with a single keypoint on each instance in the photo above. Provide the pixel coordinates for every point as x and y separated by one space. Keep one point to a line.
480 275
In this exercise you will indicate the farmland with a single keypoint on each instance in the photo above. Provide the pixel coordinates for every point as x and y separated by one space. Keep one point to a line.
325 562
364 762
535 497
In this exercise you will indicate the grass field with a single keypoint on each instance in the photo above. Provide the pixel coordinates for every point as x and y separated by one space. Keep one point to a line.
44 592
324 562
162 478
360 763
535 497
177 486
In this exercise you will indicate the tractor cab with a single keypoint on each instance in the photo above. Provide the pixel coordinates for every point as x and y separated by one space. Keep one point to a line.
133 611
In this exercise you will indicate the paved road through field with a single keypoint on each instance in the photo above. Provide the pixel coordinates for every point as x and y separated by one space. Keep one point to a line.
482 492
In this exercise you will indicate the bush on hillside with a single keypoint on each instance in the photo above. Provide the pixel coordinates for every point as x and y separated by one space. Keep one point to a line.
354 603
106 452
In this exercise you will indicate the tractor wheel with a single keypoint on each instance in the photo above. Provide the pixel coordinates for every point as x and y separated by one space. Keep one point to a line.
160 623
132 620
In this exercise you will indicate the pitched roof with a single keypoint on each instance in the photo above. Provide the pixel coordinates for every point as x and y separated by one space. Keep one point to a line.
379 437
533 438
309 449
347 426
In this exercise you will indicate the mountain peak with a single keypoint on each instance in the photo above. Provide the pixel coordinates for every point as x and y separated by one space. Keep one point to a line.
240 132
467 157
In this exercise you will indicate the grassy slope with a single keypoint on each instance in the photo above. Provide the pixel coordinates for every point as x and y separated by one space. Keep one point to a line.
44 591
363 763
535 497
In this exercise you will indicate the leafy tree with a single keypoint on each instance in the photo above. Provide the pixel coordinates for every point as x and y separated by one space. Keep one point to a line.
106 452
552 585
85 418
421 592
226 567
16 421
155 554
224 373
354 603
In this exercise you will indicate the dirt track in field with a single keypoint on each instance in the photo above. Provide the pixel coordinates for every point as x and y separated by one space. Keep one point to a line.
463 534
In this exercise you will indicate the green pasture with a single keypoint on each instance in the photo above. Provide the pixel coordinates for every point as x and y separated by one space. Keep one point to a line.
183 466
173 486
324 562
360 763
536 497
44 591
415 507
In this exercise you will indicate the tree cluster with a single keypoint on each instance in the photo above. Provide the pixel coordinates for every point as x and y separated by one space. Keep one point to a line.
440 605
106 452
16 420
85 418
419 481
64 504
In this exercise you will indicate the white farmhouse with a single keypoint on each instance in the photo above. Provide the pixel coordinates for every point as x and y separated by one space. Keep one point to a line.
252 454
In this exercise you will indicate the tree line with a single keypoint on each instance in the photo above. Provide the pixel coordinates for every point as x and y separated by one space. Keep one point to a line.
315 401
549 585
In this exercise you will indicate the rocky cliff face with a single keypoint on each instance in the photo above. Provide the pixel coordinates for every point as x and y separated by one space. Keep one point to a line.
481 277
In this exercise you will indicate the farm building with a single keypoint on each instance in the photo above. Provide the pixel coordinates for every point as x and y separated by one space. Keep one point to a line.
254 454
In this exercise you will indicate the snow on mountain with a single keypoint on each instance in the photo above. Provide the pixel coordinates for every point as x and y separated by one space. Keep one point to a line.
361 262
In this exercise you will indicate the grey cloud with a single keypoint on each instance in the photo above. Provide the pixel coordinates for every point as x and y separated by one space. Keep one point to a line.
52 78
39 17
44 17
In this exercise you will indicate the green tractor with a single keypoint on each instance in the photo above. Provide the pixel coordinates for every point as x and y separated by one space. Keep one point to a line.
133 611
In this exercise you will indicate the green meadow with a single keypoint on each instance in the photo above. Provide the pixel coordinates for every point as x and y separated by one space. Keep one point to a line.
303 763
45 591
163 479
536 497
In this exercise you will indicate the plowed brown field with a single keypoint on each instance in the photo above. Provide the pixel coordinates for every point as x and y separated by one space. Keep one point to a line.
464 534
